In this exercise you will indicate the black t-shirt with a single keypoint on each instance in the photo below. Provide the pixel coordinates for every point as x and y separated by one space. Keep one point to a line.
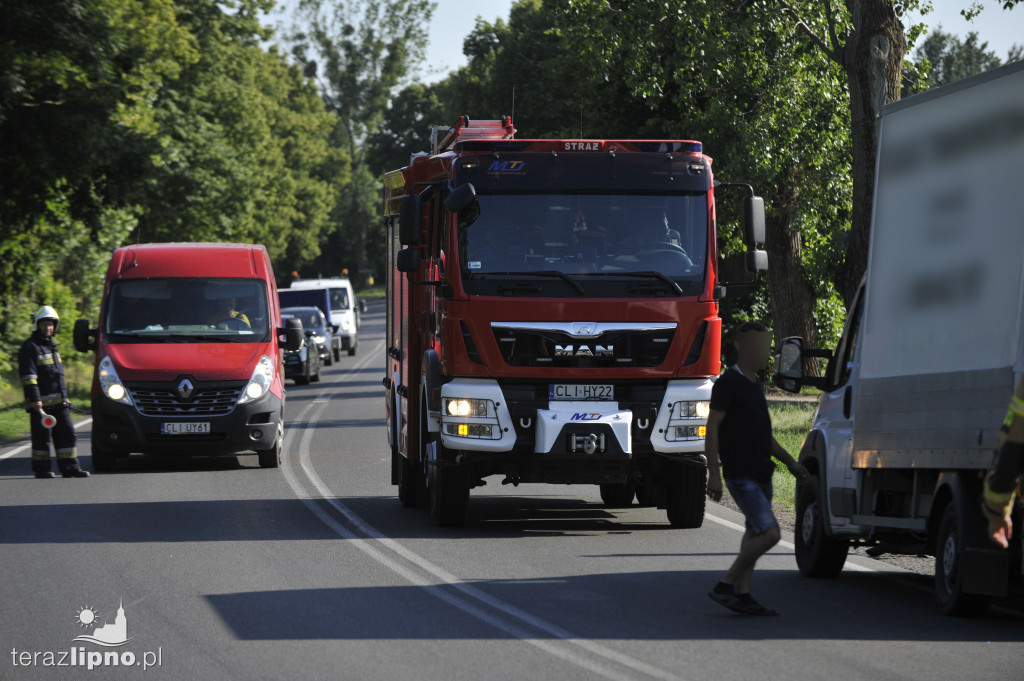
745 436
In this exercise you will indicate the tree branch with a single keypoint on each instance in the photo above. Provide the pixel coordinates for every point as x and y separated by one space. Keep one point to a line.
832 54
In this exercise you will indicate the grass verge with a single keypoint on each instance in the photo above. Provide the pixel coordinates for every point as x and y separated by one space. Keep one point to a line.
790 423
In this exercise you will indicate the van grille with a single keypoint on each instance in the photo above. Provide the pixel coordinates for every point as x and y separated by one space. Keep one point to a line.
218 401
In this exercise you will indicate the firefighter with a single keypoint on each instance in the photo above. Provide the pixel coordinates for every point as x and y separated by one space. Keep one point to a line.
1002 481
42 375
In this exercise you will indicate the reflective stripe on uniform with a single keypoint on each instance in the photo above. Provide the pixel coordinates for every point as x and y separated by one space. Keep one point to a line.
31 381
70 453
41 454
50 400
29 377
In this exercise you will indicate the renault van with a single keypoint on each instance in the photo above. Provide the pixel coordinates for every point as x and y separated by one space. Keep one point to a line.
189 354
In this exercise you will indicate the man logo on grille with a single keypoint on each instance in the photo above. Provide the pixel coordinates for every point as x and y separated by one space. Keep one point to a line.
185 389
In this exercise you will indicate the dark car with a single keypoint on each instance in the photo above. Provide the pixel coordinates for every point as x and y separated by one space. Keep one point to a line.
316 328
302 365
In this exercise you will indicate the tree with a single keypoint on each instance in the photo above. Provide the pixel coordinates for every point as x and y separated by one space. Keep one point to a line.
942 58
359 51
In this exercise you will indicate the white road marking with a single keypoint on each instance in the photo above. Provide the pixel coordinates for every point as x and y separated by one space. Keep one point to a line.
469 599
22 448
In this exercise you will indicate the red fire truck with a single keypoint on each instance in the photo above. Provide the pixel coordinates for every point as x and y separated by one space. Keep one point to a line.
552 317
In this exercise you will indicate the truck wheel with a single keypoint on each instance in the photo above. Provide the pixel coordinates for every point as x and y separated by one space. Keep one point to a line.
449 495
949 548
103 461
618 494
817 554
352 350
337 355
687 497
330 359
302 380
408 480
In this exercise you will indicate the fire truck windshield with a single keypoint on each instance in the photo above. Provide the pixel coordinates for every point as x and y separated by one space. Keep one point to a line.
593 239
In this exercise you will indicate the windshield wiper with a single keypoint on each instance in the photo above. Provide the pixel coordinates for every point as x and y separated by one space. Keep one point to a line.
651 274
539 273
139 336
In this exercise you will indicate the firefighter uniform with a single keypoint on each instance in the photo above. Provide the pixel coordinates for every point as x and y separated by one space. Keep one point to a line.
42 377
1001 483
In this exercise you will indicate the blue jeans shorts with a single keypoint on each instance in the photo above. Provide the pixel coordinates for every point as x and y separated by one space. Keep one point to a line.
755 500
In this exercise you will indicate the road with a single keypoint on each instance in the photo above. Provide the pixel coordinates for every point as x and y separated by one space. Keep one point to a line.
314 571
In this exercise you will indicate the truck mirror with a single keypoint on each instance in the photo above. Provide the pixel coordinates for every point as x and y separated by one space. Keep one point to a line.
753 221
410 221
292 333
84 337
756 261
789 365
462 201
408 260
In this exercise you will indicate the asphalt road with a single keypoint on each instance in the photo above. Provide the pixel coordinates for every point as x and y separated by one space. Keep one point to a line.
314 571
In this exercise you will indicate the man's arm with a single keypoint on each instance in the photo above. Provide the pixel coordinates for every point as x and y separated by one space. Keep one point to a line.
794 466
715 417
29 377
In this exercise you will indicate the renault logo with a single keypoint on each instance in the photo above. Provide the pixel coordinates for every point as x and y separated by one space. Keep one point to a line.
185 389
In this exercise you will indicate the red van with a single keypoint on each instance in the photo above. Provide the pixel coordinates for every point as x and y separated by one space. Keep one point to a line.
188 354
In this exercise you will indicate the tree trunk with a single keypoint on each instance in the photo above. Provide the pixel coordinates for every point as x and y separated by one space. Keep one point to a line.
792 298
873 60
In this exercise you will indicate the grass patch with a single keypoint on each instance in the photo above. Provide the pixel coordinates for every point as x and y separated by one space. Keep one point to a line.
790 423
372 293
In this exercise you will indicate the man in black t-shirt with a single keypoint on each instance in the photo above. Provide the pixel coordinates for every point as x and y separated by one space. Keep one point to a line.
740 434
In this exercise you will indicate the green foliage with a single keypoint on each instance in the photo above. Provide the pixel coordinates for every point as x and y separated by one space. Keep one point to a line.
943 58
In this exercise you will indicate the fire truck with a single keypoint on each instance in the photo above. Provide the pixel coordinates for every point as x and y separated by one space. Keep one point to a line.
552 316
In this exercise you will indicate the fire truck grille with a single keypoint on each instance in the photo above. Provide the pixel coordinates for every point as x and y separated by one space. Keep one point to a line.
613 348
166 402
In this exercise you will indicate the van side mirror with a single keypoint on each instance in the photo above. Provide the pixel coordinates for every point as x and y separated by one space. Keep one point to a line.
753 222
410 220
789 365
362 306
84 337
293 336
334 328
407 260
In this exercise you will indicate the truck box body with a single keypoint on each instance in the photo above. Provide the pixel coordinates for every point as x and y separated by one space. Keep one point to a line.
944 296
188 353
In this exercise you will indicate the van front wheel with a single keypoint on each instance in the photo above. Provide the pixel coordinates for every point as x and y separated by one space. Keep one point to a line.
949 550
817 554
271 458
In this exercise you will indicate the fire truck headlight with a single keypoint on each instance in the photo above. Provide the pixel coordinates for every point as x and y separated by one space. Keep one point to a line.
467 407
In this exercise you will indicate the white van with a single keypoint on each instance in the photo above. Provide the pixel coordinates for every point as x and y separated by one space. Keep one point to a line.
345 308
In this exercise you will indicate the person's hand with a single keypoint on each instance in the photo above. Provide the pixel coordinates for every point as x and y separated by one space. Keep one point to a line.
37 406
1000 530
800 471
715 488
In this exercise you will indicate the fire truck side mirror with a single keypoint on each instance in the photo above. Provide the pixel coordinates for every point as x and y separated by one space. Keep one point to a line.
460 198
410 222
407 260
753 221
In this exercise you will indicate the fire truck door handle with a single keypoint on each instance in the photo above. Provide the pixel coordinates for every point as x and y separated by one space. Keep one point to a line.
387 383
395 353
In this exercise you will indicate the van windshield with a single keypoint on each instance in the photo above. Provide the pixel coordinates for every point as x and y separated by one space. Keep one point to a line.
339 299
187 310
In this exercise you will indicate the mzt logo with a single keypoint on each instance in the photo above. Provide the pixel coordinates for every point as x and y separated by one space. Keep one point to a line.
106 634
507 167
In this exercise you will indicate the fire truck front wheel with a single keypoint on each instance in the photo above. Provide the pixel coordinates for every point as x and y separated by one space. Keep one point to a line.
686 498
449 495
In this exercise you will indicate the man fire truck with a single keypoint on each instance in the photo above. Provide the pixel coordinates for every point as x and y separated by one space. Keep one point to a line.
552 316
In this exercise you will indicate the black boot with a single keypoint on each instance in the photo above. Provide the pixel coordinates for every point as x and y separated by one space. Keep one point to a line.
45 474
74 473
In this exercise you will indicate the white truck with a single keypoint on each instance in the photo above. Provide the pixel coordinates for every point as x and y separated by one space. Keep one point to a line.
918 386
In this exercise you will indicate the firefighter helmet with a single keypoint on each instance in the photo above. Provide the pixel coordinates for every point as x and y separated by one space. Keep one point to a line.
46 312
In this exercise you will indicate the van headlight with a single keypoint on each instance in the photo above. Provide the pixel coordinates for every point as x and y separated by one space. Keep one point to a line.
111 384
259 384
346 325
